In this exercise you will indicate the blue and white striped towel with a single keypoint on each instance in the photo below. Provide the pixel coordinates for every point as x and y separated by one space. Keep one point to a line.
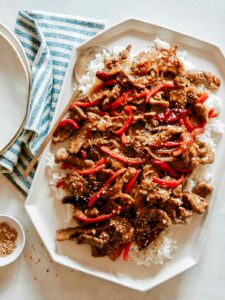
48 40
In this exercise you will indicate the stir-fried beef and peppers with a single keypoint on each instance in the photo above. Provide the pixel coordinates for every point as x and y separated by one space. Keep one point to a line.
133 144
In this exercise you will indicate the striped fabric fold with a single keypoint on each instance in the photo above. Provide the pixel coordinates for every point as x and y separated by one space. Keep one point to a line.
48 40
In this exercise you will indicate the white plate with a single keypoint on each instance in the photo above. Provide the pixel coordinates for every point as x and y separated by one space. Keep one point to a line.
48 215
14 89
12 38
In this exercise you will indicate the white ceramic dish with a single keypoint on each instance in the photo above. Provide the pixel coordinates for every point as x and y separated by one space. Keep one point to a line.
12 38
14 88
20 242
48 215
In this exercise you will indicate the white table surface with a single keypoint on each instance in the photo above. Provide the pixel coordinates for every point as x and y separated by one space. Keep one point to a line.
34 276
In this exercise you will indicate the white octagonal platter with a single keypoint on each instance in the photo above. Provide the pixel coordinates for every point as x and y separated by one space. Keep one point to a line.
48 215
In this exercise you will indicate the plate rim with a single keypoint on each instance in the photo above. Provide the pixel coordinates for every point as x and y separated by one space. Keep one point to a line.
134 19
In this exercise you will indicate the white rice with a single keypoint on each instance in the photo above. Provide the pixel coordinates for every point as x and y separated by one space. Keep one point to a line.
159 250
165 244
188 66
55 173
159 44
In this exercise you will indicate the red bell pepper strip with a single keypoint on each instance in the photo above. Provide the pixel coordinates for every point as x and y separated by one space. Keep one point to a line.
203 98
110 82
170 144
188 142
105 186
181 122
190 127
93 170
131 183
98 167
123 139
60 183
156 89
178 151
140 95
188 124
126 251
102 114
83 154
165 144
85 104
104 76
119 252
212 113
88 134
96 219
168 183
202 124
65 122
121 100
197 131
101 161
128 109
172 115
185 170
121 158
165 167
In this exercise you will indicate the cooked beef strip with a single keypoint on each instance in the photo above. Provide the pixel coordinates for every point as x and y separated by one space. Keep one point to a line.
114 93
202 189
178 97
121 229
123 198
62 134
92 240
109 238
201 111
63 155
69 233
74 183
104 174
192 96
181 82
194 202
183 214
136 82
78 113
156 194
148 224
173 202
210 81
199 153
98 252
78 138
